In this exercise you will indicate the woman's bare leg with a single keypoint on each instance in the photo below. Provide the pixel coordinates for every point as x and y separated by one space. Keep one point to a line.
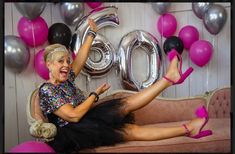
134 132
144 97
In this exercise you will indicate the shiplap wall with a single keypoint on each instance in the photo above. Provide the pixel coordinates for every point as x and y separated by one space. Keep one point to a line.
132 16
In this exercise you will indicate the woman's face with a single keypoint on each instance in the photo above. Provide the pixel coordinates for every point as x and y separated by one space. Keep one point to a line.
60 68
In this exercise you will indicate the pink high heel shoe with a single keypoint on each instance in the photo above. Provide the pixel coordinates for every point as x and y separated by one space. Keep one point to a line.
201 112
184 75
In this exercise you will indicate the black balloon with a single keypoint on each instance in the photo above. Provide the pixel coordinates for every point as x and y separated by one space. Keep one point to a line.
173 42
59 33
73 42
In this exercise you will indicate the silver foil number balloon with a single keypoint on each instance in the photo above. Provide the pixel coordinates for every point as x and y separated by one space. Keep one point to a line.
71 13
104 16
200 8
161 7
106 51
215 18
147 42
30 10
16 53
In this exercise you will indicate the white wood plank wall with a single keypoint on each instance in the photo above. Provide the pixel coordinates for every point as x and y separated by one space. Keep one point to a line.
132 16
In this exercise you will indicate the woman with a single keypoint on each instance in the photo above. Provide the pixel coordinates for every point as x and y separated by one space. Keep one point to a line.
79 125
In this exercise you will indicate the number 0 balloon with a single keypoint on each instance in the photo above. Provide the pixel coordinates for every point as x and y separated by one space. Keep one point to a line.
149 43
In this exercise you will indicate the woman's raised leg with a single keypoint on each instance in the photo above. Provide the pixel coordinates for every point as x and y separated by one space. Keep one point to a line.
145 96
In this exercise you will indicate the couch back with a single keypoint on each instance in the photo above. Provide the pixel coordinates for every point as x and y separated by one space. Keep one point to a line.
219 103
34 107
168 110
163 109
160 110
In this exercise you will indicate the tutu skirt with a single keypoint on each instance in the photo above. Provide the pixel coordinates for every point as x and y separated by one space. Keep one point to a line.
101 126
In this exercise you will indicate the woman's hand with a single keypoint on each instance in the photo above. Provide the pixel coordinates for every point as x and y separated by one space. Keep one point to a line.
101 89
92 24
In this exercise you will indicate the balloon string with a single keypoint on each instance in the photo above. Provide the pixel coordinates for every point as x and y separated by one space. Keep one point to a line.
88 80
33 35
207 77
163 57
208 73
188 60
34 55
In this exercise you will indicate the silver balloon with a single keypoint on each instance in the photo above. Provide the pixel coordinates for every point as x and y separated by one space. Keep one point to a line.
200 8
147 42
16 53
103 16
71 13
215 18
161 7
103 64
30 10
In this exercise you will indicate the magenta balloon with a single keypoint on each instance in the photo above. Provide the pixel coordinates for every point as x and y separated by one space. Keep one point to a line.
188 34
167 25
33 32
40 65
73 55
32 147
94 4
201 52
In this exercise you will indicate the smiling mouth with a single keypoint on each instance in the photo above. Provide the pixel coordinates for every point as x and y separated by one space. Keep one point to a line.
64 72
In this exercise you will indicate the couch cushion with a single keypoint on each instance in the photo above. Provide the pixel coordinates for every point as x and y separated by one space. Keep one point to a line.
168 110
218 142
220 103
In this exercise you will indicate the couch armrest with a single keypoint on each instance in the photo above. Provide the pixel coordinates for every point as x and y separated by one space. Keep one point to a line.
219 103
162 109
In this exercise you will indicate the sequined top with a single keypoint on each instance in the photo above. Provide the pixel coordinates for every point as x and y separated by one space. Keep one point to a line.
54 96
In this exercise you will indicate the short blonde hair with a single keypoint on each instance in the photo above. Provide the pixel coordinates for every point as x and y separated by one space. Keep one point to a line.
55 50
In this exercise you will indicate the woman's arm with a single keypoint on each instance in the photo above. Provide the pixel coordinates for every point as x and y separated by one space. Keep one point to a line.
83 52
71 114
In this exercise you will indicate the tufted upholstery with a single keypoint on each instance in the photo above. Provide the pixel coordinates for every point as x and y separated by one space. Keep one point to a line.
39 126
220 103
36 111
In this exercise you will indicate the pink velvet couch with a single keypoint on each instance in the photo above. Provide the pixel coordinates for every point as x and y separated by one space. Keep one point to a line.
162 112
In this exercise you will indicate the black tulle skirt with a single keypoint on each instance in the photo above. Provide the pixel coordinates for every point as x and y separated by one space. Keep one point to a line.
102 125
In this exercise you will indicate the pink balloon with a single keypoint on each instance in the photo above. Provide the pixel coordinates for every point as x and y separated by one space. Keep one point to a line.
167 25
201 52
32 147
40 65
94 4
33 32
73 55
188 34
